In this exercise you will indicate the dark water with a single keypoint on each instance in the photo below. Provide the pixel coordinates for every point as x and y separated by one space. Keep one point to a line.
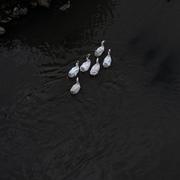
124 124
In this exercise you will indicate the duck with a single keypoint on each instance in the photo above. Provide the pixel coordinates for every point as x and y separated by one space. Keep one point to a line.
74 71
65 6
95 68
86 65
76 87
99 51
6 20
107 60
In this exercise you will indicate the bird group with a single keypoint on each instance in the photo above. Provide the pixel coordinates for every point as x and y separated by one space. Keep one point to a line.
85 66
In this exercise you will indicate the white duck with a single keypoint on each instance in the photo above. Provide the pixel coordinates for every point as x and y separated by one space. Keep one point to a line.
86 65
107 60
76 87
74 71
99 51
95 68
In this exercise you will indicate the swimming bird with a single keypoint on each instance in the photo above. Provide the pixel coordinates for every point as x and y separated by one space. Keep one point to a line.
76 87
99 51
95 68
74 71
107 60
86 65
65 6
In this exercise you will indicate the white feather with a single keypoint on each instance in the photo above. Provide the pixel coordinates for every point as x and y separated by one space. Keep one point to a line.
86 65
99 51
95 68
74 71
107 60
76 87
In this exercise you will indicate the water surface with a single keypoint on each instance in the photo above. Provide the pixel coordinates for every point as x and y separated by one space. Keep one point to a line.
124 124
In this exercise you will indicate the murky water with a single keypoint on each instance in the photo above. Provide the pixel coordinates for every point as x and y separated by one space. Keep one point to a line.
124 124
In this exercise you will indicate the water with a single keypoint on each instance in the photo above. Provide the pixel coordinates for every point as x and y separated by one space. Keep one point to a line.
124 124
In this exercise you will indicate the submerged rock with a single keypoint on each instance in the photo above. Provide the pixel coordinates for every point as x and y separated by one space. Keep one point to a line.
34 3
2 30
45 3
65 6
23 11
19 11
6 20
14 9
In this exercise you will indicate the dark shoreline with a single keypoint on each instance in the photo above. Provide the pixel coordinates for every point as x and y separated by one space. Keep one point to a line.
13 9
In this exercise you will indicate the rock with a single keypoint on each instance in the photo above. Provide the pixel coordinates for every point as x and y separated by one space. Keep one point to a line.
13 9
2 30
15 12
8 12
34 4
19 11
6 20
45 3
65 6
23 11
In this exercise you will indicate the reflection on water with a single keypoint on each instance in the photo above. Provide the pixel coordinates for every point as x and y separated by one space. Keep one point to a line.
115 128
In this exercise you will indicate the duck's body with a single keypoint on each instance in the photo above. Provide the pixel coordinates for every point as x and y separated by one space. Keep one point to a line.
99 51
86 65
107 60
76 87
74 71
95 68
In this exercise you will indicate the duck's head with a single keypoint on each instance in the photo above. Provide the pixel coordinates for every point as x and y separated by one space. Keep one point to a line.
77 63
102 42
88 55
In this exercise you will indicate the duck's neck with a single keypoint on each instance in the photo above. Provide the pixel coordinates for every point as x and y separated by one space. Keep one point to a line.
77 80
87 57
102 43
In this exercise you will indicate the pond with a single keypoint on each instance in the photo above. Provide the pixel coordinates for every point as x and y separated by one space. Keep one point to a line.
124 123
